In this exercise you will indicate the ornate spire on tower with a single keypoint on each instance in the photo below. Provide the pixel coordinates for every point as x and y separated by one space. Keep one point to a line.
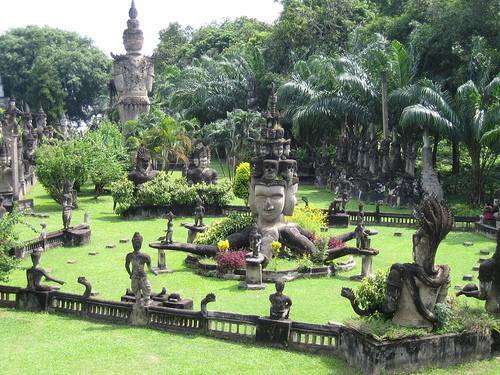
132 35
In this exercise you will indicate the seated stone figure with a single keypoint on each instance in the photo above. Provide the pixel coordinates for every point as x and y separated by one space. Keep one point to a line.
413 289
199 170
35 274
142 172
489 282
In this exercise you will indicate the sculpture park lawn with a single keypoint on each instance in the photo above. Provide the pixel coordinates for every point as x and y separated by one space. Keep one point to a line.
73 346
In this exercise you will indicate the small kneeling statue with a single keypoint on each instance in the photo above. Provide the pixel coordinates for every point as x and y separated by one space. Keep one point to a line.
280 303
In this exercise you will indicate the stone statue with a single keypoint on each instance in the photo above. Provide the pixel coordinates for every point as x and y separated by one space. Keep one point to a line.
88 287
280 303
6 174
140 284
3 211
170 227
255 240
199 212
67 203
35 274
199 170
142 172
489 282
413 289
133 73
43 235
28 153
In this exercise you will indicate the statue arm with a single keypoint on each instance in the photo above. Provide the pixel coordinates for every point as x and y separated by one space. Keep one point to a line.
127 265
49 278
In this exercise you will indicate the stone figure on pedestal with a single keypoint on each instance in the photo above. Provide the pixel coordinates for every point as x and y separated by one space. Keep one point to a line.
68 204
280 303
133 73
199 170
139 281
199 213
142 172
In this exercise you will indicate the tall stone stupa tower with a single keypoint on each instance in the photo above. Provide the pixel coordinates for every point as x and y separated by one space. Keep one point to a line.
133 72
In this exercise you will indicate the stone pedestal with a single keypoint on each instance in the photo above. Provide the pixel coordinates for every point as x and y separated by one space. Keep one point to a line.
193 231
273 331
253 278
31 300
162 262
77 236
184 304
366 268
139 316
338 220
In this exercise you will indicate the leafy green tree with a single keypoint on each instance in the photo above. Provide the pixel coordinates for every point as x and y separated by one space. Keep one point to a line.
106 155
62 161
59 70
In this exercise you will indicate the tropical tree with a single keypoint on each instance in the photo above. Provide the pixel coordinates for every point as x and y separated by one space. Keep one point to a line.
210 88
168 140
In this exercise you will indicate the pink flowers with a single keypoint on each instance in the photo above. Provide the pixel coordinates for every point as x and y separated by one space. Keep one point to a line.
230 260
334 243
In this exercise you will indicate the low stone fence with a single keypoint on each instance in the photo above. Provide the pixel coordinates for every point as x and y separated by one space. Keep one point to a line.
390 219
487 230
358 349
77 236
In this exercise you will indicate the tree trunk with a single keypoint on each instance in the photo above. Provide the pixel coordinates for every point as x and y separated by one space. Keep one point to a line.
437 138
385 165
455 150
477 191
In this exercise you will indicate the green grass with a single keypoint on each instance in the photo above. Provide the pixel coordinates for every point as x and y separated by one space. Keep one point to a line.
72 346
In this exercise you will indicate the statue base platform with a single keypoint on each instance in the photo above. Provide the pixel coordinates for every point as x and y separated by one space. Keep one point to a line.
338 220
184 304
193 231
273 331
31 300
139 315
162 270
245 285
77 236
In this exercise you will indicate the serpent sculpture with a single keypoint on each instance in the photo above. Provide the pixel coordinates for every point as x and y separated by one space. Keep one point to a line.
413 289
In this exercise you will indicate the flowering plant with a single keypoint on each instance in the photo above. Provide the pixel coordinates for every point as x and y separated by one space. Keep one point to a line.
223 245
230 260
275 245
334 243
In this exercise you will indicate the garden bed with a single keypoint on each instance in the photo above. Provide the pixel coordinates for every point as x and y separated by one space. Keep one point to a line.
268 276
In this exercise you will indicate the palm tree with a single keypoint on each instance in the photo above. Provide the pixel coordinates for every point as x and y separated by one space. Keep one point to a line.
472 117
211 87
168 140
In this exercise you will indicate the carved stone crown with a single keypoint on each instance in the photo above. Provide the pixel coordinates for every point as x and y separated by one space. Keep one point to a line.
133 37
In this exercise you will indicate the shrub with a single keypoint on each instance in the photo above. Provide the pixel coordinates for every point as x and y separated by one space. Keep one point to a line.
228 261
304 264
241 181
311 219
444 314
164 190
220 229
371 291
8 240
122 192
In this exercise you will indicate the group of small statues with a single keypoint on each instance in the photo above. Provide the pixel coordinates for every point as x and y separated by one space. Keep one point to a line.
198 169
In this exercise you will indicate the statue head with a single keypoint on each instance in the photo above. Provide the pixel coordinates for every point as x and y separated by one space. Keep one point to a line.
286 148
277 149
269 203
435 221
35 256
270 170
288 169
137 242
280 286
263 150
142 159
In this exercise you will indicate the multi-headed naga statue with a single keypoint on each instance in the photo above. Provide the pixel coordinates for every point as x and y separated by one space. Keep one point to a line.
413 289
